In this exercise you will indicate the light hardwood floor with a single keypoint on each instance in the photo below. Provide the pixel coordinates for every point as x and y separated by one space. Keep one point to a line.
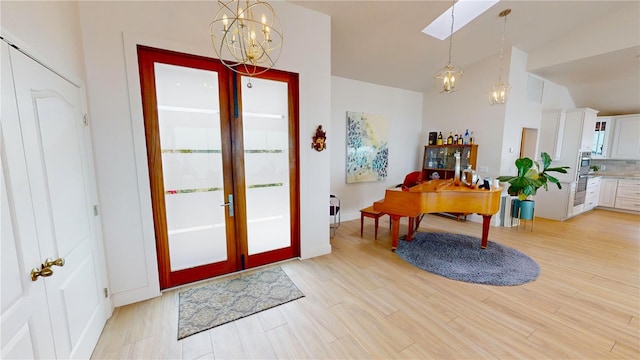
362 301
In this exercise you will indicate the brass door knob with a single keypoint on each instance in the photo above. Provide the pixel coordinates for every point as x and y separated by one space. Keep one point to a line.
50 262
45 272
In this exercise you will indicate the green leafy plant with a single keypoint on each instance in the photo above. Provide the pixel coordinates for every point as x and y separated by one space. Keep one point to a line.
532 175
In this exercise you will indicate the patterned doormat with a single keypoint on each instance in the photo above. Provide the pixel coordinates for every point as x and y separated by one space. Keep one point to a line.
223 301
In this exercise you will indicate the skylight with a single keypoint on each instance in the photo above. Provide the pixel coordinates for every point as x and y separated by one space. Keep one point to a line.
466 11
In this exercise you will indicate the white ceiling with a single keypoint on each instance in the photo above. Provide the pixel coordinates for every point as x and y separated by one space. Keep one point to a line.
381 42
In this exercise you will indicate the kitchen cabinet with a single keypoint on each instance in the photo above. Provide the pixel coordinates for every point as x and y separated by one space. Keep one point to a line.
552 133
628 195
552 204
440 159
572 197
602 137
607 197
578 136
593 193
626 138
586 117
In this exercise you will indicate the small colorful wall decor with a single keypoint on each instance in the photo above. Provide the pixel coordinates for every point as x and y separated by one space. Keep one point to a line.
319 142
367 147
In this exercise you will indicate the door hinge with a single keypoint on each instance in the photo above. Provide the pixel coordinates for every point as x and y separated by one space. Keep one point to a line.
85 120
96 210
106 292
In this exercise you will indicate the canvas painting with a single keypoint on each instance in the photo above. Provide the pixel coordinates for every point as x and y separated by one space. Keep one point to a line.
367 147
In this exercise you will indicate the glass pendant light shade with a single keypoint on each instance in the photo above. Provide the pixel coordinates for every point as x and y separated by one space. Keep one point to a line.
498 92
448 78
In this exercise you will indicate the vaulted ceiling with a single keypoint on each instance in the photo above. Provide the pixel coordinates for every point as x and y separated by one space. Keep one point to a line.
381 42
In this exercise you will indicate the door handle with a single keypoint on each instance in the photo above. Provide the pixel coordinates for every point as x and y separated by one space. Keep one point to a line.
50 262
229 204
45 269
44 272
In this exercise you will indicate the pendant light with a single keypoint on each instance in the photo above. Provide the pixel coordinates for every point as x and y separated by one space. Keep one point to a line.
244 42
449 76
499 90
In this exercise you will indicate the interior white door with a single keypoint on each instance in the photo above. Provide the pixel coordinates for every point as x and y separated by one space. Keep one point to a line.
56 151
25 331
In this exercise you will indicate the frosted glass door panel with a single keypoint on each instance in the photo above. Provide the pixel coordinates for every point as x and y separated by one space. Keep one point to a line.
194 221
190 138
266 161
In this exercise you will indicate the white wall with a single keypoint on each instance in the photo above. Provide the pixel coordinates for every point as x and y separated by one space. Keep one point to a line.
469 108
110 31
406 138
520 112
28 21
612 32
556 96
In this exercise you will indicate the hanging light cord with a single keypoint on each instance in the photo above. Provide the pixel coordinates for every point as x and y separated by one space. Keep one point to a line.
451 34
504 31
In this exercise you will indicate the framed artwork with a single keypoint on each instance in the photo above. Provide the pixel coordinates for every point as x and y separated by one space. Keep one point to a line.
367 147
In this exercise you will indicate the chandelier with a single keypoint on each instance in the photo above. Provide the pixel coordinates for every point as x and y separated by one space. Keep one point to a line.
245 43
449 76
499 90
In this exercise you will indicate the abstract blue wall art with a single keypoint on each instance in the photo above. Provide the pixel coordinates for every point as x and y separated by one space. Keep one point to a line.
367 147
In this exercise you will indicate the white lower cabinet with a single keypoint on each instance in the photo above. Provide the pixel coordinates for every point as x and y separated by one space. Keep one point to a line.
572 197
593 193
628 195
608 189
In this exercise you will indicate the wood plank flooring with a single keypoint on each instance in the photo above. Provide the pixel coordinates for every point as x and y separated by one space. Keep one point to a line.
362 301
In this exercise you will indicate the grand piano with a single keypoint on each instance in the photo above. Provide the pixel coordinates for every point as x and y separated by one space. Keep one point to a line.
438 196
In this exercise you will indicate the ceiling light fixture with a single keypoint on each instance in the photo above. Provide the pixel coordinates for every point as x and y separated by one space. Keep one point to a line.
499 90
246 44
449 76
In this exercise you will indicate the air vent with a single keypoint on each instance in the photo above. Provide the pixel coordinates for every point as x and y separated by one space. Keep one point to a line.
535 88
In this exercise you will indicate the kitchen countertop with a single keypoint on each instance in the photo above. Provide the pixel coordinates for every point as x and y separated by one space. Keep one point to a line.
618 175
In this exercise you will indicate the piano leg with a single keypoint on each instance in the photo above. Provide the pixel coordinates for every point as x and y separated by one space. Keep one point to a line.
486 221
410 229
395 230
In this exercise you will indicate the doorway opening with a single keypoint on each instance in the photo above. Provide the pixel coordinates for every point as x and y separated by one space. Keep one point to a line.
528 143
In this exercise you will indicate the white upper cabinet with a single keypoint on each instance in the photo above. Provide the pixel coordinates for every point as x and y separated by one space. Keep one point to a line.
626 138
602 136
585 121
580 125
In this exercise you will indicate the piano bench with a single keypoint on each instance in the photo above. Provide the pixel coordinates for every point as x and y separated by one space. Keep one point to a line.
370 213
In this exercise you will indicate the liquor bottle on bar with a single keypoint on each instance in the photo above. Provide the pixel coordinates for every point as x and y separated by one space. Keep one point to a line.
450 138
439 142
455 138
466 137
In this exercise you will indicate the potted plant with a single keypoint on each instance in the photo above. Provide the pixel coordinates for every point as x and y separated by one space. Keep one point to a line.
532 175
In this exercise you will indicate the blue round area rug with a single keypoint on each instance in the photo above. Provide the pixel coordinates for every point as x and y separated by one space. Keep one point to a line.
460 257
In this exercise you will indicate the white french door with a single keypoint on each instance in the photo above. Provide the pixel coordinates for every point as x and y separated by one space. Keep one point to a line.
53 275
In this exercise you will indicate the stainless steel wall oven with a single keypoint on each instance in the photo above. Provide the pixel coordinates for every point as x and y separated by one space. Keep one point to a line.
584 166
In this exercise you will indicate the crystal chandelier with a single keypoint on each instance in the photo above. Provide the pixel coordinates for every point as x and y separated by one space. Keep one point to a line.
449 76
499 90
244 43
